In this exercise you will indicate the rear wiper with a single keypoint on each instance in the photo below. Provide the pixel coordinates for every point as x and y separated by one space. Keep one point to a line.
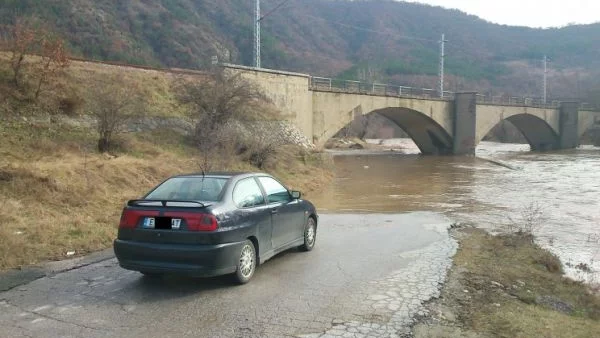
164 203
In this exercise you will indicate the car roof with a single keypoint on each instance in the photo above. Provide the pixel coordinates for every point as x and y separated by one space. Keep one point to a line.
223 174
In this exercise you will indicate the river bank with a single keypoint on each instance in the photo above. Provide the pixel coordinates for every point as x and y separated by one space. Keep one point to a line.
563 187
506 286
500 286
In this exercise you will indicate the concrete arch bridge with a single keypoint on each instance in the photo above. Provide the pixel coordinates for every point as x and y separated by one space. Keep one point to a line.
449 125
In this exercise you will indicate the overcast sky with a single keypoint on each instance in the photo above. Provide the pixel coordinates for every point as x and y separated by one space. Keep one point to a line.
532 13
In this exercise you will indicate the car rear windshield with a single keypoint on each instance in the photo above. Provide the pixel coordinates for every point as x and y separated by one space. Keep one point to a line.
189 189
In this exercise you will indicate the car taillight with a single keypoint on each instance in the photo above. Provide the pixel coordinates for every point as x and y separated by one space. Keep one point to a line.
130 218
195 221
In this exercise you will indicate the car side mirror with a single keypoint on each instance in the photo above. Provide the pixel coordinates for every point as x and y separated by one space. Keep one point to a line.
295 194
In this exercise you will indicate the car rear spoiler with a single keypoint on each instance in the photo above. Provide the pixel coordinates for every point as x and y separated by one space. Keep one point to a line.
164 203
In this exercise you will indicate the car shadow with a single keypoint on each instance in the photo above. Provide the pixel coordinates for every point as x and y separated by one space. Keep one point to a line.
148 289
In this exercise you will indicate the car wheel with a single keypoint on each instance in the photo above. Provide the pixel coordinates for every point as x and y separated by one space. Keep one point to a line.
310 235
246 264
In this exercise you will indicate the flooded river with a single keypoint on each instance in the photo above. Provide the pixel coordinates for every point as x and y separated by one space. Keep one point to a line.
505 184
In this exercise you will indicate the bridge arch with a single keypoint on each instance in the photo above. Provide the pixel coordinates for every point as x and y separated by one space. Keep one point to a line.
428 121
539 126
428 135
587 121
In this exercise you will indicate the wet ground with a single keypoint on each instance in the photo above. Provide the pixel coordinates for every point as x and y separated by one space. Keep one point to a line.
557 194
374 264
367 277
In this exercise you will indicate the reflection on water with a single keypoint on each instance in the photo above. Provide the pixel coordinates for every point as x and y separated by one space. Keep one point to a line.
566 185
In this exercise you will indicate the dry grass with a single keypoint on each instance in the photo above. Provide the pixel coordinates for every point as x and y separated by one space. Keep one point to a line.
533 300
58 195
77 83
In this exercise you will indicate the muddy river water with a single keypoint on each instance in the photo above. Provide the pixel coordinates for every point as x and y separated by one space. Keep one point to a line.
557 193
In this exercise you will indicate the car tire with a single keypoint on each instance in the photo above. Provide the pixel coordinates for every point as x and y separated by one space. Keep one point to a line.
310 235
246 263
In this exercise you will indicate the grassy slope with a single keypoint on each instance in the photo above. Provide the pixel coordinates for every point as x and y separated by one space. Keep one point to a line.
58 195
504 286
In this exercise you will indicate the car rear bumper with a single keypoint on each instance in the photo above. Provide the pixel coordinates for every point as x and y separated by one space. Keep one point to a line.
192 260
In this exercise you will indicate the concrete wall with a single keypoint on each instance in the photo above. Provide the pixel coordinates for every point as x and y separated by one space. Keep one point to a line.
288 91
333 111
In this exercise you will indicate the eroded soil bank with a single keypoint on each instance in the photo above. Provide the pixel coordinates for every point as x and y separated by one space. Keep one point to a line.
506 286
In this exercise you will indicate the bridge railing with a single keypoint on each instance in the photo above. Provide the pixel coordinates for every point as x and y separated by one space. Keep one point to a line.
383 89
590 107
358 87
506 100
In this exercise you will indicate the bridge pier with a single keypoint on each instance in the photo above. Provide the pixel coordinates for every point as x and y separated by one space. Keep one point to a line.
465 123
569 125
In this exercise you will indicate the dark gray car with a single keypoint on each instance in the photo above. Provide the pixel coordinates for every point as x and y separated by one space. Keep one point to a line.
213 224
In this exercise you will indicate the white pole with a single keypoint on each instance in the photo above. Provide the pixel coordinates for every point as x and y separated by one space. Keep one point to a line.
257 35
442 56
545 78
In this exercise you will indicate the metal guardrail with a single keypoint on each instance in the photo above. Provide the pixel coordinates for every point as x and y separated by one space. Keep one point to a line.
516 101
358 87
589 106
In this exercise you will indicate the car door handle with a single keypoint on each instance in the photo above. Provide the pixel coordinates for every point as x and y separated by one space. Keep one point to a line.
274 211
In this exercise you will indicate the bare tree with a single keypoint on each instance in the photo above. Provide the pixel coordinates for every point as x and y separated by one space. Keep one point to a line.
214 102
113 105
22 41
54 59
26 38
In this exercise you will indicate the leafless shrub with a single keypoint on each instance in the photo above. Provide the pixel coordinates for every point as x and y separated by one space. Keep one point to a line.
35 51
214 102
53 60
549 261
71 105
593 238
531 219
259 152
21 39
113 104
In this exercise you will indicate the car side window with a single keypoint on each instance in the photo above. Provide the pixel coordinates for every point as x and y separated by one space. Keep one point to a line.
275 191
247 194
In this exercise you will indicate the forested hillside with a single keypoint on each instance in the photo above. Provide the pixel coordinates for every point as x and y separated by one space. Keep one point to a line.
371 40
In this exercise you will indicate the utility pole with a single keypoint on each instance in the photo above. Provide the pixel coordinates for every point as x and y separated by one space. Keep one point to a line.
545 79
257 19
442 57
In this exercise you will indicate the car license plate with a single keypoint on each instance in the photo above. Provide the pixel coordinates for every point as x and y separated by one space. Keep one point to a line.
149 222
175 223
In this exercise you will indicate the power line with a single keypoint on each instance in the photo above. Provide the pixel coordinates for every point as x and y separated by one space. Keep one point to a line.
406 37
274 9
257 20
